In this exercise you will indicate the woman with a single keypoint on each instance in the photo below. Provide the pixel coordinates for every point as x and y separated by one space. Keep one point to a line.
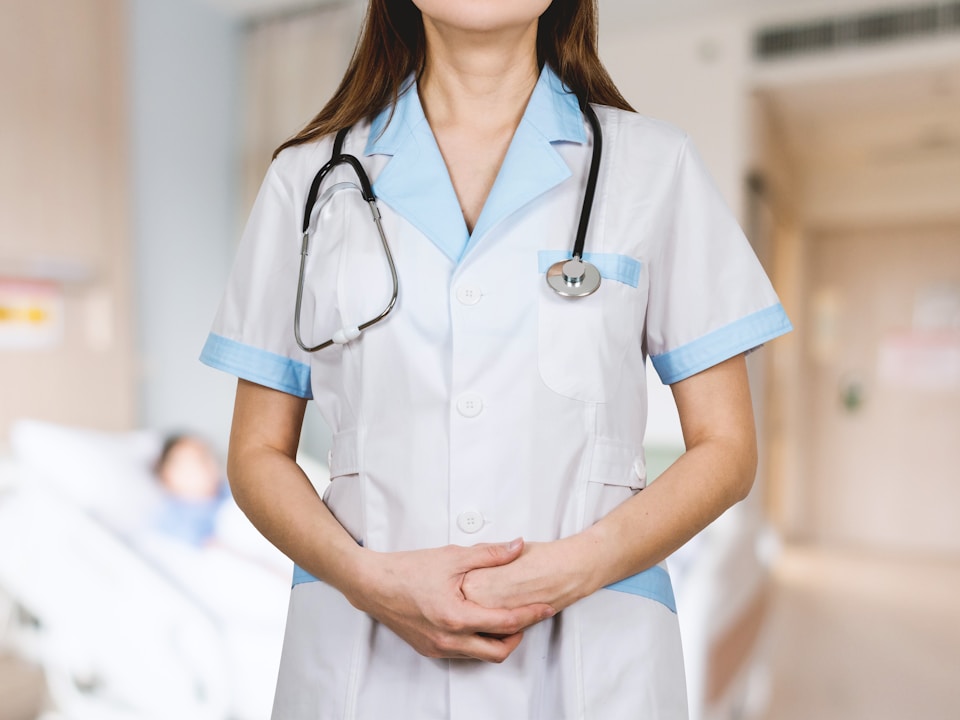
484 549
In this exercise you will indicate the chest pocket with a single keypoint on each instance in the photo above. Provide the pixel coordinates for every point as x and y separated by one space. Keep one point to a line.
584 342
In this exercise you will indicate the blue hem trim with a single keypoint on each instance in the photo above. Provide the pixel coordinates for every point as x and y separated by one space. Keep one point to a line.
302 576
739 336
621 268
653 584
258 366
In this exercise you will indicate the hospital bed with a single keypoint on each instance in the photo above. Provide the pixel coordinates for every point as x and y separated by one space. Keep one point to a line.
128 624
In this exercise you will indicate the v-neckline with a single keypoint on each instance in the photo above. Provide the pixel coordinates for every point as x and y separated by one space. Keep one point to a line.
531 165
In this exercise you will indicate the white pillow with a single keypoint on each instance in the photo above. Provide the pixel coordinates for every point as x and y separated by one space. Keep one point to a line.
108 474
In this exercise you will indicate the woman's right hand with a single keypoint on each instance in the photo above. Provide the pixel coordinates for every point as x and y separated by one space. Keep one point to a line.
418 595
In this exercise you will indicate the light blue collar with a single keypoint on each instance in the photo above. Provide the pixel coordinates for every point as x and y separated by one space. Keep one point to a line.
416 184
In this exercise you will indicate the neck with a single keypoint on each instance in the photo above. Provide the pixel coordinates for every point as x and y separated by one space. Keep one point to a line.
478 79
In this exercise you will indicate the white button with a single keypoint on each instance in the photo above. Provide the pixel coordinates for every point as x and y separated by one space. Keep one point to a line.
470 521
470 404
469 294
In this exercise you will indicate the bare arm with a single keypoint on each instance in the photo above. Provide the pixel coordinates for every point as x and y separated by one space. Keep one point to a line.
715 472
417 594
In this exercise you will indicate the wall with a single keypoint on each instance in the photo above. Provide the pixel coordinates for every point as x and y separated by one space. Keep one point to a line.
294 62
63 207
886 324
826 178
185 84
123 106
784 461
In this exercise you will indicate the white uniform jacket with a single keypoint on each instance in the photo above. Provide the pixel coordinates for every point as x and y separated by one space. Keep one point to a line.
487 407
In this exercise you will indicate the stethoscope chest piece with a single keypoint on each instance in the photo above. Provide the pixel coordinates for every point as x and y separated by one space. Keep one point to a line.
573 278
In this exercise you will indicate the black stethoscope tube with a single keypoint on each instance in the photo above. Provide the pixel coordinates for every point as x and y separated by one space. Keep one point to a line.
337 157
592 177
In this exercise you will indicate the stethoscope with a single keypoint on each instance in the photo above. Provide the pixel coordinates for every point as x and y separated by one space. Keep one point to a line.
573 278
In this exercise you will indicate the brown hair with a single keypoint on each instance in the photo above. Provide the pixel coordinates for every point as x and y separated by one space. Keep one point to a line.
392 46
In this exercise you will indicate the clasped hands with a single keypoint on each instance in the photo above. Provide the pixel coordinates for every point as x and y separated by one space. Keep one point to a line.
467 602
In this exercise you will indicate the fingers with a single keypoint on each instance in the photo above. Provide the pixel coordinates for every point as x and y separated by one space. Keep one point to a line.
481 633
491 554
494 650
435 617
490 635
475 618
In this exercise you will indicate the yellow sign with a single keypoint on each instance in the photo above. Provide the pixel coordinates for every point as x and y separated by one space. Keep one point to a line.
31 314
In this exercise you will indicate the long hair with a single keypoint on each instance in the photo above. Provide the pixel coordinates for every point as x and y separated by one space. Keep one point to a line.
392 46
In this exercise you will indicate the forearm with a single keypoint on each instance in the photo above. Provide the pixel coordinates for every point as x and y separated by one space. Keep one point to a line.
716 471
282 504
638 534
274 492
703 483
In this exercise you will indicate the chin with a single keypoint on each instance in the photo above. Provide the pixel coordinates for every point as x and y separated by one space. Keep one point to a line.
482 16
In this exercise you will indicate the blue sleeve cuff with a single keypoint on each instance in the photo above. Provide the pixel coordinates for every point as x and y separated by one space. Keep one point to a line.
258 366
739 336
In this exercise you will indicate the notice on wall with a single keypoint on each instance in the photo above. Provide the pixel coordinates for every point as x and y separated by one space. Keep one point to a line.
937 307
31 314
921 360
927 356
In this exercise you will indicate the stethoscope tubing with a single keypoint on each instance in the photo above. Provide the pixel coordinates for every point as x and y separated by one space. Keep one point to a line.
592 177
337 158
572 278
305 250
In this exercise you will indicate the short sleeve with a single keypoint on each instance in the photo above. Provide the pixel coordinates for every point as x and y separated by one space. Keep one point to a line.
709 296
252 335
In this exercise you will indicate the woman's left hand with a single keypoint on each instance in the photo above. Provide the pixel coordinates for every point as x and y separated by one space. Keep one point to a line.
545 573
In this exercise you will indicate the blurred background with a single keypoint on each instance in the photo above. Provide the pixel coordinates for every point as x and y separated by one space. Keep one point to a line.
133 136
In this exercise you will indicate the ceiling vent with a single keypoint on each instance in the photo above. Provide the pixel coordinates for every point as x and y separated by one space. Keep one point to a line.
869 28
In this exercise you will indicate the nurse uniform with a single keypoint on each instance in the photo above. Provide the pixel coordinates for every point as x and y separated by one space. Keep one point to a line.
486 407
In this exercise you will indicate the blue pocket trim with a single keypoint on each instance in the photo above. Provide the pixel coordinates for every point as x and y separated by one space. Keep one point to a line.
653 584
258 366
713 348
621 268
302 576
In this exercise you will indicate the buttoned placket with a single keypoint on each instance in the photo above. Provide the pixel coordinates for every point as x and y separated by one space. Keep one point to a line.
470 417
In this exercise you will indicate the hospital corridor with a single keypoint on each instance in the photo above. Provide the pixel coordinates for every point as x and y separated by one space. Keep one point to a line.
134 136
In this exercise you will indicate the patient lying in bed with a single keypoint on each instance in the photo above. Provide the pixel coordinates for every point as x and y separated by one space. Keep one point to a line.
194 489
169 585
